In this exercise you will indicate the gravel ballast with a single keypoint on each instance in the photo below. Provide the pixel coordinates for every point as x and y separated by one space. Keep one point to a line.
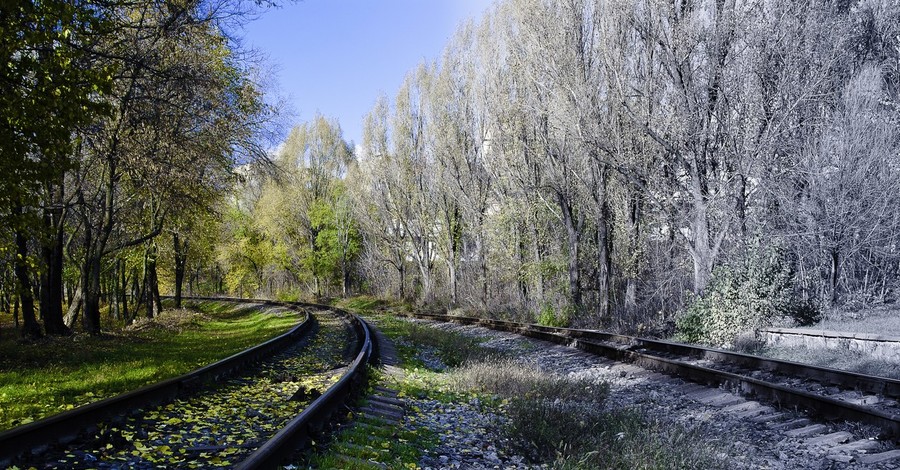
471 434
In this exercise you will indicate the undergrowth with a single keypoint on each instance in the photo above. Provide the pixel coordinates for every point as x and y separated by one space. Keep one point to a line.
562 421
365 438
854 361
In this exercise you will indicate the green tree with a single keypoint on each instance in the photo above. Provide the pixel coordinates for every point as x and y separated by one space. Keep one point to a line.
299 204
47 91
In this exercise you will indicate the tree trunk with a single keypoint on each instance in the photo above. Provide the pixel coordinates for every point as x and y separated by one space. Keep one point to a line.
345 278
74 308
482 264
116 288
451 271
52 277
31 327
834 278
633 228
123 292
154 305
16 311
521 280
702 248
537 254
180 263
573 232
604 245
91 293
137 295
604 266
401 272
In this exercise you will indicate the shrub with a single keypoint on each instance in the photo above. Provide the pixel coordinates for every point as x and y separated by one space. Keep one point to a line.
754 291
549 316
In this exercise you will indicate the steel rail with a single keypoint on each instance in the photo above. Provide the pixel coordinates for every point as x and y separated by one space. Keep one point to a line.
299 430
631 349
65 427
862 382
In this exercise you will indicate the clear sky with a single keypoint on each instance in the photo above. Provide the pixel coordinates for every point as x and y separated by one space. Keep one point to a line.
336 56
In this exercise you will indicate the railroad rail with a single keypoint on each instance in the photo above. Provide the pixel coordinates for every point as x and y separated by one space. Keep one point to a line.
29 442
826 393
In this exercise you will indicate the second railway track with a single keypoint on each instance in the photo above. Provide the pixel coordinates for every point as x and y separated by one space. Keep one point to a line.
828 394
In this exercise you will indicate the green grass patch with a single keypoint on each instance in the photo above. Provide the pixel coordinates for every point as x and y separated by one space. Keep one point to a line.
362 304
41 378
372 439
415 339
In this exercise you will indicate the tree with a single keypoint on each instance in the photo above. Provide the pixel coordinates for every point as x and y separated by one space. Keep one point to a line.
47 91
848 185
414 205
181 108
299 205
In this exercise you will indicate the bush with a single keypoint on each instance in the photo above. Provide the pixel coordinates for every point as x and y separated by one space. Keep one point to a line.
548 316
755 291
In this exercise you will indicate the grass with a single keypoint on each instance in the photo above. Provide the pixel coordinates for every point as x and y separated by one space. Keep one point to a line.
44 377
510 378
562 421
373 439
842 359
555 420
875 321
880 320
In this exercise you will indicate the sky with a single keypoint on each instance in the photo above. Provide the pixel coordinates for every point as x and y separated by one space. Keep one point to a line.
335 57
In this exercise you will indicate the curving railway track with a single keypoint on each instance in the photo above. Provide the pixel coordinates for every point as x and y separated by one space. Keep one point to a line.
259 407
828 394
250 410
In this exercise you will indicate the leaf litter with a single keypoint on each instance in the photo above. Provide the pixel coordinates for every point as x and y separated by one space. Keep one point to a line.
223 422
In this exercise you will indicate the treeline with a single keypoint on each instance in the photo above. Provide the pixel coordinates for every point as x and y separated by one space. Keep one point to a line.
603 162
121 123
607 163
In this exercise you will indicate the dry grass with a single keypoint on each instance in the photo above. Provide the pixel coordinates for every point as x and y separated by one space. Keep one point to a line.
562 421
510 378
882 320
842 359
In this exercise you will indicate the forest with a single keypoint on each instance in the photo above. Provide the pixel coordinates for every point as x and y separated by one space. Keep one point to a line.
698 167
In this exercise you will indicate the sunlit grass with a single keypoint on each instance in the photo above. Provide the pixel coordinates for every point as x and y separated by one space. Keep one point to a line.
38 379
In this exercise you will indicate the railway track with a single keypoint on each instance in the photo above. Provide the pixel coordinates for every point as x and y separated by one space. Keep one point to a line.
250 410
824 393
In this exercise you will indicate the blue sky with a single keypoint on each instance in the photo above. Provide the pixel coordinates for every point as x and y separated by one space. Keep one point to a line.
337 56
